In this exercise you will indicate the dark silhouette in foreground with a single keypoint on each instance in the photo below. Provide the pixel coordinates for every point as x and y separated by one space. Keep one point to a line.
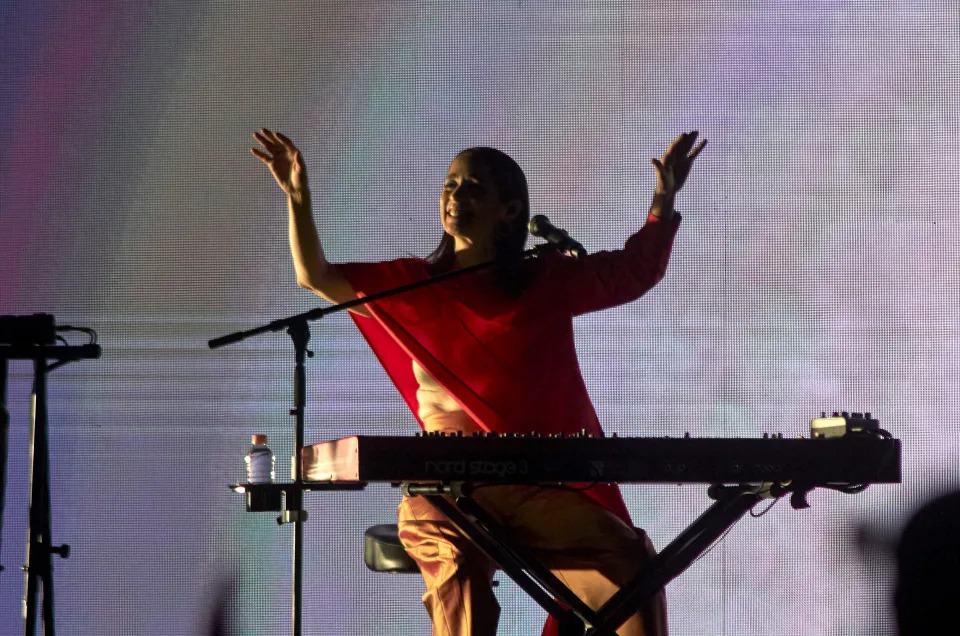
928 569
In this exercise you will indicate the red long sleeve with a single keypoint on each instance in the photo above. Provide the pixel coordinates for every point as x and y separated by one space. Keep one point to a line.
510 363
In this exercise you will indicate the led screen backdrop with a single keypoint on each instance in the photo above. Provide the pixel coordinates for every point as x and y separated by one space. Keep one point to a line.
816 270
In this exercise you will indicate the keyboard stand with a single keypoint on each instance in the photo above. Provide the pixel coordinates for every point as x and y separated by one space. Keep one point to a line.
574 616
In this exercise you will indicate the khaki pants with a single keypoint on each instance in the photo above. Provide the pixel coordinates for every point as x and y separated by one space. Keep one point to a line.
587 547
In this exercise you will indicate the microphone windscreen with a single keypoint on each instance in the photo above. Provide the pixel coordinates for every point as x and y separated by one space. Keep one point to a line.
538 225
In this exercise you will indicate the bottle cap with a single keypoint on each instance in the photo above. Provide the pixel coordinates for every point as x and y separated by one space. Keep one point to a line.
258 439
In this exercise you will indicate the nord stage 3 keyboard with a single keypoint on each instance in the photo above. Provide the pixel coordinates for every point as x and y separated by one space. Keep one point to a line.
850 459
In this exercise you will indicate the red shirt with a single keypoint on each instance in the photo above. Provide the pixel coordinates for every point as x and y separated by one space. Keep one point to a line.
511 363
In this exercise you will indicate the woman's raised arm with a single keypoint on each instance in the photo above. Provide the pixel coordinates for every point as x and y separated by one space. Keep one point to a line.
314 271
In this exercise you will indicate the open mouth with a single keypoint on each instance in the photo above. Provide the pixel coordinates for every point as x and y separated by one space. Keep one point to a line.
458 213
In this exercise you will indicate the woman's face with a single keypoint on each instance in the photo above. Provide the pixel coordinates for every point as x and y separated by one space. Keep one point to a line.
471 205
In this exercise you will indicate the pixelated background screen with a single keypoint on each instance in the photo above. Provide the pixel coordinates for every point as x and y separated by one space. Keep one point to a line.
816 269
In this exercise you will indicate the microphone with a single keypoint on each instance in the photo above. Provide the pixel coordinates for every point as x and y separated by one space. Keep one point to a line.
541 227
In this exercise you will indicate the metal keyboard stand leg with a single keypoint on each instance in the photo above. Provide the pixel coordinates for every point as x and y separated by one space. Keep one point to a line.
732 502
576 619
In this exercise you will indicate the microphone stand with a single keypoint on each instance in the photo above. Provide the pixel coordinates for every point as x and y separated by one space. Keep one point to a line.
298 329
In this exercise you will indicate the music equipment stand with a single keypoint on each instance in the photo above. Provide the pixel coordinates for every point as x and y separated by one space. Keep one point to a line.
38 571
574 616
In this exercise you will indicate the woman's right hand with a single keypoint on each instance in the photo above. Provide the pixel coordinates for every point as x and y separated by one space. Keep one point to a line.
673 168
284 160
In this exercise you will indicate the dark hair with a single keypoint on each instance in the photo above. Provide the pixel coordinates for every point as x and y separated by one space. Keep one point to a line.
509 236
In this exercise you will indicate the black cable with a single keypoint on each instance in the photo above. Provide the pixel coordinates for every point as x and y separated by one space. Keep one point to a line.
90 332
760 514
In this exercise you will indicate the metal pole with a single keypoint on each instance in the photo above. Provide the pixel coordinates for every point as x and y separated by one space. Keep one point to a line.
39 568
4 440
300 333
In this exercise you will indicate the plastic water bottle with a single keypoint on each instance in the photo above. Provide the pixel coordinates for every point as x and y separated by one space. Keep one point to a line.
259 461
